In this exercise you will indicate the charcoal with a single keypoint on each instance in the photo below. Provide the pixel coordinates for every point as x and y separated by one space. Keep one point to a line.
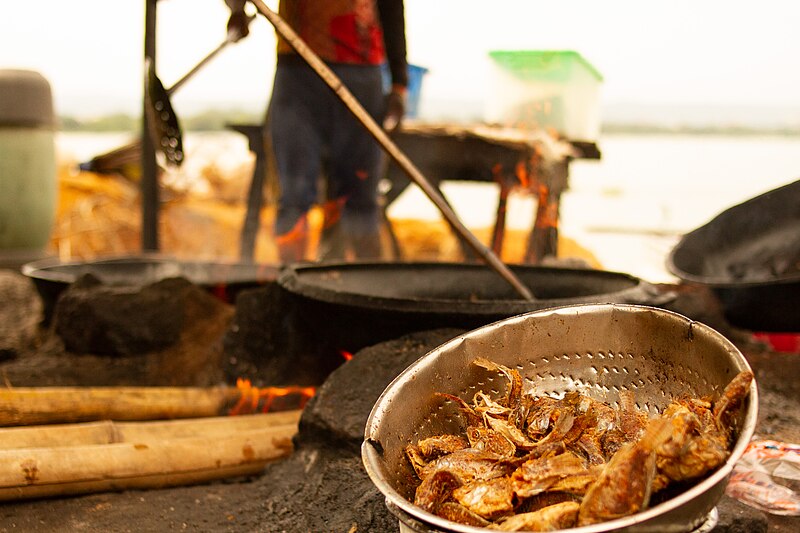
91 317
257 345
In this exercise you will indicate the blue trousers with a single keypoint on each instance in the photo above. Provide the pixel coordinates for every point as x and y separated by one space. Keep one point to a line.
310 127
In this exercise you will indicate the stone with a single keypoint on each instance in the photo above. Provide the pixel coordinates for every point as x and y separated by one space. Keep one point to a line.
19 315
91 317
341 406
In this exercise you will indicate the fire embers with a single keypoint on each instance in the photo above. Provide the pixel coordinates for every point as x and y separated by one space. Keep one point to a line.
269 399
538 463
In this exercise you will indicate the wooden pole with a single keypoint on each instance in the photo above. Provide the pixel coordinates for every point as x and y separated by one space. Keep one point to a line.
499 233
111 432
50 405
152 455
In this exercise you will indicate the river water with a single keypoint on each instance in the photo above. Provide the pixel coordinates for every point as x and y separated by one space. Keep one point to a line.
629 208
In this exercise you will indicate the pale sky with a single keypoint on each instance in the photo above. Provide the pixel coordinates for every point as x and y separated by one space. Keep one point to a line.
680 51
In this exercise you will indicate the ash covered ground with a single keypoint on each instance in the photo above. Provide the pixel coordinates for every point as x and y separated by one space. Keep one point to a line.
322 486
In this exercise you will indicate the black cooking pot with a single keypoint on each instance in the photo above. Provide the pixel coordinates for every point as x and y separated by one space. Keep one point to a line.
353 305
224 280
749 256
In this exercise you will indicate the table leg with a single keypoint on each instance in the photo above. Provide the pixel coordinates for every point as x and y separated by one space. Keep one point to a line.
499 233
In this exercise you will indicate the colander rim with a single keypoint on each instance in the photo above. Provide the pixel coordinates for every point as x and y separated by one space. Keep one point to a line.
370 448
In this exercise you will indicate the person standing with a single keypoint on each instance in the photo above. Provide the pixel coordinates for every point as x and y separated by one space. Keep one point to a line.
313 133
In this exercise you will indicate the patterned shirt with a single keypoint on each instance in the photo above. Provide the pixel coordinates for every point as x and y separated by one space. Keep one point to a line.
360 32
339 31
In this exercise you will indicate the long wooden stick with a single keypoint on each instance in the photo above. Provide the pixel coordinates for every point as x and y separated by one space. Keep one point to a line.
111 432
48 405
391 148
41 472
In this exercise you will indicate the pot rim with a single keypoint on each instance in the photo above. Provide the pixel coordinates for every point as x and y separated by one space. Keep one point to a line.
54 270
784 196
290 278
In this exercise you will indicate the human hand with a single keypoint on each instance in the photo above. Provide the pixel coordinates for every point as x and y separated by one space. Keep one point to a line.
238 25
395 108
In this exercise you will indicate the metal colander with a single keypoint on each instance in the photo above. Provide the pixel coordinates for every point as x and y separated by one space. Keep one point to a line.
598 350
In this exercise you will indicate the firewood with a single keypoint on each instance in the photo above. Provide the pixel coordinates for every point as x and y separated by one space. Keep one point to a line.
44 472
110 432
51 405
142 455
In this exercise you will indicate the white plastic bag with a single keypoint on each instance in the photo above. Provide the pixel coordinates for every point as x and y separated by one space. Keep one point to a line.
754 482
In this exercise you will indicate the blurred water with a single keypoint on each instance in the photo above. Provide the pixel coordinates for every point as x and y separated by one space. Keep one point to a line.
83 146
674 183
632 207
201 148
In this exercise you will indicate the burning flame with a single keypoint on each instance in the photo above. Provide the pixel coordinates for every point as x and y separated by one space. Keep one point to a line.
220 291
332 211
347 355
521 172
296 234
547 214
260 400
497 173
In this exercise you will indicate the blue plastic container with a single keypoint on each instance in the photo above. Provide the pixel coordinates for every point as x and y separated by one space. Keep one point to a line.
415 74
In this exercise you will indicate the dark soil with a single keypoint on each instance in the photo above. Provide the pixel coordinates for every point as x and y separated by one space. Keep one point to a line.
322 486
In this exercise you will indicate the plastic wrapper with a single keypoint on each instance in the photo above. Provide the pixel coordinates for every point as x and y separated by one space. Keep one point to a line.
764 476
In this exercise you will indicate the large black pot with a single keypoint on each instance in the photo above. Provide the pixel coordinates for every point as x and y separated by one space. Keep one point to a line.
353 305
224 280
749 256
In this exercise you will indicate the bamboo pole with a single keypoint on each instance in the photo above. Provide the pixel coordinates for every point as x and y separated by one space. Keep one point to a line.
27 473
110 432
47 405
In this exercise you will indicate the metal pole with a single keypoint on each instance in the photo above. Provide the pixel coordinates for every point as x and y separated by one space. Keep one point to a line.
389 146
149 185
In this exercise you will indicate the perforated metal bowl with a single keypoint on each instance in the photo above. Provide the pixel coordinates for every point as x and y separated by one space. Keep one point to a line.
597 350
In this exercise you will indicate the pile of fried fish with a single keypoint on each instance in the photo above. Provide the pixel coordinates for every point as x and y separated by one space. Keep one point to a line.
538 463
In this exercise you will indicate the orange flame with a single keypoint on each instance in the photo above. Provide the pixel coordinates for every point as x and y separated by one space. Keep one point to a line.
296 234
347 355
521 171
497 174
332 211
547 213
254 399
220 291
